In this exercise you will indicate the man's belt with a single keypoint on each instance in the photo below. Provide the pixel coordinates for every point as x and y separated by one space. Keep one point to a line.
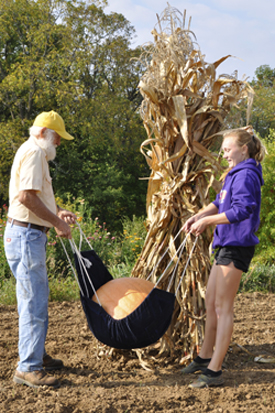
26 224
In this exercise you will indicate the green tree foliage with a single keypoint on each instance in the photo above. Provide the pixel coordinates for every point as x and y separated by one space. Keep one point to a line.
265 252
263 110
72 57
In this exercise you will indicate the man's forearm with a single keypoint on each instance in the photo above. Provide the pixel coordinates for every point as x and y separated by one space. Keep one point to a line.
31 201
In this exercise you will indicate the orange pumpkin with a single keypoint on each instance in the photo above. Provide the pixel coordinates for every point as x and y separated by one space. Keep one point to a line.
121 296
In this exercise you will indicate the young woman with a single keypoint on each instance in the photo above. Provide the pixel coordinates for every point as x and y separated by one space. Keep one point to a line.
236 212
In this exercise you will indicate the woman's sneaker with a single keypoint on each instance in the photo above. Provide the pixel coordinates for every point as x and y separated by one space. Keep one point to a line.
194 367
206 381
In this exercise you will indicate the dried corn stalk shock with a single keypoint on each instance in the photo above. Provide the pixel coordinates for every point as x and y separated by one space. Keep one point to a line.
183 111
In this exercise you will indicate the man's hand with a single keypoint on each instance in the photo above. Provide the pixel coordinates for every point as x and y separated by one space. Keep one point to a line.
63 230
31 201
67 216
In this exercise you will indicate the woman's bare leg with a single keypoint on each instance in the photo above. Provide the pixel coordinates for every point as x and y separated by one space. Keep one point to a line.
227 283
211 316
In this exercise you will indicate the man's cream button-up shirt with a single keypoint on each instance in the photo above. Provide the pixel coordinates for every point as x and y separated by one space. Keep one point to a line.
30 171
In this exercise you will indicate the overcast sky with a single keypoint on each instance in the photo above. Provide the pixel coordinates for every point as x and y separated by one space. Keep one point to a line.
242 28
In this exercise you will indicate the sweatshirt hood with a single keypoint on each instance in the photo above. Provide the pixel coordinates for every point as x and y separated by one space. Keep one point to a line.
249 164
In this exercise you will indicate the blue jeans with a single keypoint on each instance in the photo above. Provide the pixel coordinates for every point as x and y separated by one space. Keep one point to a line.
25 250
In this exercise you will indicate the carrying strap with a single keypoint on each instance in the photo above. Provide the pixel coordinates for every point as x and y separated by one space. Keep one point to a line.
71 265
186 265
163 255
84 263
83 268
82 235
180 251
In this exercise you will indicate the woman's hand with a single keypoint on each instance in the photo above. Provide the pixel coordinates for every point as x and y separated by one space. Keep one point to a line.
186 227
207 216
199 226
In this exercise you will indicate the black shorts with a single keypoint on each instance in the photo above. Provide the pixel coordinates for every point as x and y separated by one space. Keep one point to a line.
240 256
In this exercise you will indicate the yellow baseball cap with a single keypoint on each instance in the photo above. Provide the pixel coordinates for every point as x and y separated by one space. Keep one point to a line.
52 120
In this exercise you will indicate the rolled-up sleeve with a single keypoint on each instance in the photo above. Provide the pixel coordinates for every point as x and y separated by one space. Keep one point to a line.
243 198
31 172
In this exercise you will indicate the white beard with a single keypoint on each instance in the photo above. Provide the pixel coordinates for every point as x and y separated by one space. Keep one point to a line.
48 146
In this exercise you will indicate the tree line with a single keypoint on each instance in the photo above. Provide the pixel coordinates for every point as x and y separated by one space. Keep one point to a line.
72 57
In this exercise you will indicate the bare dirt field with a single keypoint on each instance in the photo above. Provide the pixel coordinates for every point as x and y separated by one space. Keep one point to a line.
93 383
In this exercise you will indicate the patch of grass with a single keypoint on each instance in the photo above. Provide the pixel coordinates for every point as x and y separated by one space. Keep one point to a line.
7 292
259 278
60 290
63 289
121 270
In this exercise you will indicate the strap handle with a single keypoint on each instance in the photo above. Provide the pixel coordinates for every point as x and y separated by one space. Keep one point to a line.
163 255
187 262
181 247
82 265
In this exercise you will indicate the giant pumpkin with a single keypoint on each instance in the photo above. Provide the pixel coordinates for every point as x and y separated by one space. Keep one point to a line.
121 296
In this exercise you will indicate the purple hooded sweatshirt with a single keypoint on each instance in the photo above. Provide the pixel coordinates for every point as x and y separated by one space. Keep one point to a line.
240 200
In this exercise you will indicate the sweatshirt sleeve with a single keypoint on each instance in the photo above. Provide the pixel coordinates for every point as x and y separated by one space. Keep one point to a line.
243 197
216 202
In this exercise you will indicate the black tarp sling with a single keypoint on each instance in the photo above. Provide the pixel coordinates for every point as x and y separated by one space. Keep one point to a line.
145 325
